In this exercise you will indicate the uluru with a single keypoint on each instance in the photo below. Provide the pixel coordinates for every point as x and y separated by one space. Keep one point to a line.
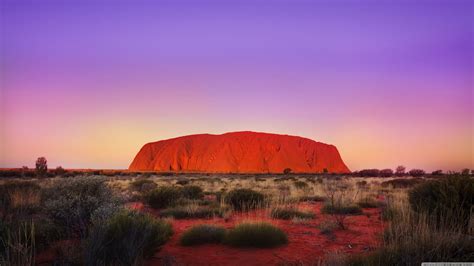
239 152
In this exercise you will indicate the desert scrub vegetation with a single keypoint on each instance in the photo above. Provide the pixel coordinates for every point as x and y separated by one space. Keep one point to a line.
259 234
71 203
444 199
143 185
192 192
288 213
244 199
202 234
300 184
422 226
127 238
17 244
19 197
163 197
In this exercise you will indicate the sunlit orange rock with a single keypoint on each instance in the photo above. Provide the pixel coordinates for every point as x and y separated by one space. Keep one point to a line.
239 152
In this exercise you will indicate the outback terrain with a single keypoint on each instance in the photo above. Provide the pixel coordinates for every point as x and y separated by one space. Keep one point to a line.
148 218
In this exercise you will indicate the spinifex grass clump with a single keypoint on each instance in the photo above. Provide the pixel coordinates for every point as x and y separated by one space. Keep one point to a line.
290 213
202 234
192 192
163 197
19 196
448 201
126 239
261 235
244 199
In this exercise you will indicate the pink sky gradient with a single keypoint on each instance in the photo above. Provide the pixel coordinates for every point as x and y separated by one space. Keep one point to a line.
86 85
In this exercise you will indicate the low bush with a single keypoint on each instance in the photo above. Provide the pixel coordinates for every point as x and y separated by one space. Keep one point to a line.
202 234
261 235
290 213
192 192
300 184
444 199
143 185
402 182
416 172
342 209
71 203
126 239
327 227
244 199
163 197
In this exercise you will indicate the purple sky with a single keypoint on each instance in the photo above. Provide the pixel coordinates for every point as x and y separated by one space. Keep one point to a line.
86 83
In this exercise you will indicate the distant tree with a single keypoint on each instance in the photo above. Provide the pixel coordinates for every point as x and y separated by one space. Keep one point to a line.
465 171
400 171
369 172
416 172
287 171
437 172
41 167
59 171
386 173
472 172
325 170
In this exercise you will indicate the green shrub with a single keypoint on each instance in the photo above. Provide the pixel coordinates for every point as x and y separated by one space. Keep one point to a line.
343 209
261 235
163 197
143 184
300 184
71 203
290 213
126 239
192 192
445 199
402 182
244 199
192 212
202 234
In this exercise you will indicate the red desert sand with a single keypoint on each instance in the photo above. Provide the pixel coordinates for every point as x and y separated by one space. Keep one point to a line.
306 243
239 152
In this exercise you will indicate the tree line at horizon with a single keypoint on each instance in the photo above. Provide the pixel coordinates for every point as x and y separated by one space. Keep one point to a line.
41 170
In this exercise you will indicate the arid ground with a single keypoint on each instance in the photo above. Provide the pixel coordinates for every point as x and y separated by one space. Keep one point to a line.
325 220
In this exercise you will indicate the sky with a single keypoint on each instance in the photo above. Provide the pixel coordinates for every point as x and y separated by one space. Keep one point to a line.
87 83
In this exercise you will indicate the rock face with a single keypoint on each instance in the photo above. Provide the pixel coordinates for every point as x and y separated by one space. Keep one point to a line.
239 152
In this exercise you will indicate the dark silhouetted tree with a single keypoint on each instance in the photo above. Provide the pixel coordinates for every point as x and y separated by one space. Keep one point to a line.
287 171
41 166
400 171
416 172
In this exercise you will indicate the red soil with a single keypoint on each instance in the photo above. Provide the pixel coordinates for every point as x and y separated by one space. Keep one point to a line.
306 244
239 152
